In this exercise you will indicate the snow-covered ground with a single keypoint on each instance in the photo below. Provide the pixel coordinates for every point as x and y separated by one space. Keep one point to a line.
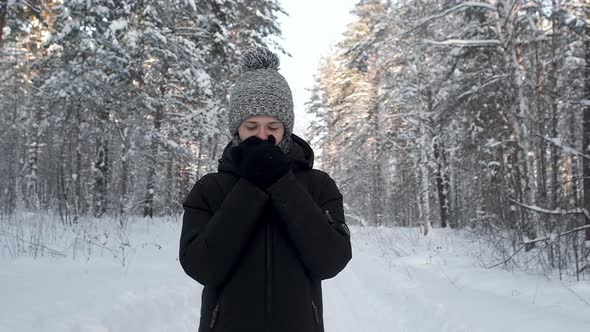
397 281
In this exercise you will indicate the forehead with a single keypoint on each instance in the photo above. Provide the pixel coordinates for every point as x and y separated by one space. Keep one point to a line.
262 119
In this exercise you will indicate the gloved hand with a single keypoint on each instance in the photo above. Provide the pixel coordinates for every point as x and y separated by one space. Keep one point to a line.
261 162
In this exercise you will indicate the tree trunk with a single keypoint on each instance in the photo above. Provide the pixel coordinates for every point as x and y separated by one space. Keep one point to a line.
540 106
32 196
123 204
520 117
586 127
213 152
170 203
377 190
10 206
199 158
556 187
101 165
63 181
553 93
62 194
425 197
79 201
184 180
16 141
3 10
148 210
453 194
441 182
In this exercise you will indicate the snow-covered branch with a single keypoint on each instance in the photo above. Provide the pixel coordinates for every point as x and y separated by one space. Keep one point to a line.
558 211
464 42
565 148
477 89
461 6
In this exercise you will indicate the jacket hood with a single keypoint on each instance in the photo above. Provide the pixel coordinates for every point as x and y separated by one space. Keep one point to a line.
300 156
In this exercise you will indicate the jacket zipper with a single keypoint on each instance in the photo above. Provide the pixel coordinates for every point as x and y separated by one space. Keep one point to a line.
315 312
268 284
268 274
214 316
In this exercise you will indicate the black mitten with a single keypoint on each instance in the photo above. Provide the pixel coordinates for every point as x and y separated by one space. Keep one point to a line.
261 162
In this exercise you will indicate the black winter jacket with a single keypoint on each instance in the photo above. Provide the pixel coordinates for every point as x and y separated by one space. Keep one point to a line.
261 254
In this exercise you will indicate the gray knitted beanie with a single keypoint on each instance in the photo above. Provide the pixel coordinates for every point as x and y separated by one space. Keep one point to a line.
261 90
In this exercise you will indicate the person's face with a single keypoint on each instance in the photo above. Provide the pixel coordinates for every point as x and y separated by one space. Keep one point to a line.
261 126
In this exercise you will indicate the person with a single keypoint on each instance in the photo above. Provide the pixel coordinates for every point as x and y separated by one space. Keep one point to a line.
262 232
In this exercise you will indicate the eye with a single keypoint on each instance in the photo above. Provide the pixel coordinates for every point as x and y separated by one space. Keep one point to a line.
251 127
273 128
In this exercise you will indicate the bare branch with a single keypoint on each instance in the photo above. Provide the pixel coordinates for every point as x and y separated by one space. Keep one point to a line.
525 243
552 237
576 294
507 259
38 245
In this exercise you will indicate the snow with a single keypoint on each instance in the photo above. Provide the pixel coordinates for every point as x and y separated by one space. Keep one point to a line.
398 280
6 31
192 4
119 24
99 9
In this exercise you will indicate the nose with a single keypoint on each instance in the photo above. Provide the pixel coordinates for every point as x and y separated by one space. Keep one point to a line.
262 133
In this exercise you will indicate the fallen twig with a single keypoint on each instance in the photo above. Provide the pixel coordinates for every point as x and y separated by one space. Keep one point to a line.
51 251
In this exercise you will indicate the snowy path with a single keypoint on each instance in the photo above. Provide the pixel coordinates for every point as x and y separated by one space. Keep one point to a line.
432 285
428 292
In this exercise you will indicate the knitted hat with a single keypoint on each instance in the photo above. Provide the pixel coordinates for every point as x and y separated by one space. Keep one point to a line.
261 90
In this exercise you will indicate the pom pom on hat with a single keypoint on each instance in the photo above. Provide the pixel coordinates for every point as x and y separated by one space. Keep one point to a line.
259 58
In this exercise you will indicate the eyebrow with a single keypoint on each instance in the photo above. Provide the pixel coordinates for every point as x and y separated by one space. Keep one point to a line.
256 122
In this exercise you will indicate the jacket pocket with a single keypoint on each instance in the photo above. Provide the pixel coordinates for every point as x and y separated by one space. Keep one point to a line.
340 227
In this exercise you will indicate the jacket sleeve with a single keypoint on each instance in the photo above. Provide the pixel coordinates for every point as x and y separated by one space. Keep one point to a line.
317 229
212 240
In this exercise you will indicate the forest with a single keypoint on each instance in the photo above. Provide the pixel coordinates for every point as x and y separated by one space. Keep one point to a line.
471 115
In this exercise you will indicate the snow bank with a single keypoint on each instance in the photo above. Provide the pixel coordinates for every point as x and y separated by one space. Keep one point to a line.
397 281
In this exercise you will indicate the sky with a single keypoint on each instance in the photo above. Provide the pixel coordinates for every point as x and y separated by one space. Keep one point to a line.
309 32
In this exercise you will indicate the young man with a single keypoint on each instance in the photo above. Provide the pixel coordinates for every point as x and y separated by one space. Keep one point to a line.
264 231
